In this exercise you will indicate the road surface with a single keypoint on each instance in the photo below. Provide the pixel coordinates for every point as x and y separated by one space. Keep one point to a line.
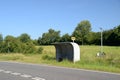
25 71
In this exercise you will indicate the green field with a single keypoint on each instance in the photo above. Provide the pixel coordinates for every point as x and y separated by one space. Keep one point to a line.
110 62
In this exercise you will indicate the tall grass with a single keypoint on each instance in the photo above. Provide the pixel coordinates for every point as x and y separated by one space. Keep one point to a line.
12 57
110 62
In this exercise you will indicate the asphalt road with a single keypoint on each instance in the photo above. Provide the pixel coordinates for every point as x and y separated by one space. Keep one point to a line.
23 71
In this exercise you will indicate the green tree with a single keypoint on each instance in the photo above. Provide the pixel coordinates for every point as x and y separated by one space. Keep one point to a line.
12 44
49 37
112 37
117 33
24 38
15 45
1 44
39 41
82 30
1 38
35 42
65 38
94 38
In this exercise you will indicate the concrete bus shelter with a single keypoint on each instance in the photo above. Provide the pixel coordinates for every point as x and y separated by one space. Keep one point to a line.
67 50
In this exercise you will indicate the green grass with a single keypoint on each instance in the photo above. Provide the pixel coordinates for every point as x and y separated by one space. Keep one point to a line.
110 62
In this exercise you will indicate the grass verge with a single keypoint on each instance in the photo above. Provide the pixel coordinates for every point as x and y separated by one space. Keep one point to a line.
109 63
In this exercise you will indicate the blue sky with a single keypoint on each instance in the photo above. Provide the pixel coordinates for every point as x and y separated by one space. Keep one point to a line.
35 17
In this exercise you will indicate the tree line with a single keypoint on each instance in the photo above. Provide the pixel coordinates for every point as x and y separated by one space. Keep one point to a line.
82 33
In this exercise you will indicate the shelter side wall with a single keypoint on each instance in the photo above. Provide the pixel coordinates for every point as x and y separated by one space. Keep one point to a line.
76 52
58 52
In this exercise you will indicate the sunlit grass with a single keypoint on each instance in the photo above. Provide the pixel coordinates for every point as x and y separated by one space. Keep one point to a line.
111 61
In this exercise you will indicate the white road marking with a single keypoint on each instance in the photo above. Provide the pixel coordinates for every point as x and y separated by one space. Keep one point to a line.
1 70
21 75
63 67
26 76
38 78
7 71
15 73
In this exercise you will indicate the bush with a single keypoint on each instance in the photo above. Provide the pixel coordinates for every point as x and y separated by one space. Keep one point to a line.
14 45
47 57
39 50
29 48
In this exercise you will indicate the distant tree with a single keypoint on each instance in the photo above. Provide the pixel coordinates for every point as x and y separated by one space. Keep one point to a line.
39 41
96 38
117 33
1 43
106 37
9 38
93 38
1 38
35 42
12 44
8 44
2 48
49 37
65 38
82 30
112 37
24 38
